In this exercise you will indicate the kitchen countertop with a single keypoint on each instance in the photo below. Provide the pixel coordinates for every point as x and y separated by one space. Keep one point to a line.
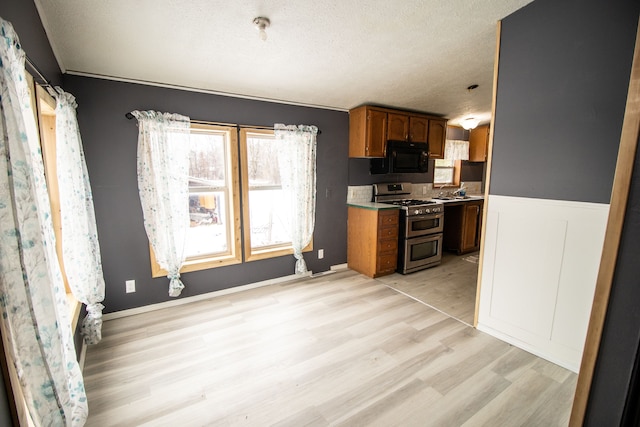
386 206
373 206
460 200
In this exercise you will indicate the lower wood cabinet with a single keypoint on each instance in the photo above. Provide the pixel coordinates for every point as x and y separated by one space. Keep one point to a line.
462 226
372 241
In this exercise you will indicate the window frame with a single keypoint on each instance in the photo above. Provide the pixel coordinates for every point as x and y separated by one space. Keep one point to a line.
457 166
241 251
44 107
263 252
234 252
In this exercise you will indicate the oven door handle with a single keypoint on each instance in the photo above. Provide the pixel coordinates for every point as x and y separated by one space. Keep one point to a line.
426 216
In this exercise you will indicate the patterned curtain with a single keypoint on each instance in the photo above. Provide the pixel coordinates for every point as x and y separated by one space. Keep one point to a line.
80 249
456 149
297 162
34 318
163 183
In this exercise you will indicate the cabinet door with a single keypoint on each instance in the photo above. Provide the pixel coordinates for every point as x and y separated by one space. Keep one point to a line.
418 129
398 127
437 135
387 247
471 226
376 135
479 144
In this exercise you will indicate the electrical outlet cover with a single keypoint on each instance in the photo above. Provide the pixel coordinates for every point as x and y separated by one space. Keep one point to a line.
130 286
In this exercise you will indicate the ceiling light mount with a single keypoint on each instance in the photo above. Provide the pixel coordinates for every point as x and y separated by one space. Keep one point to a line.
262 24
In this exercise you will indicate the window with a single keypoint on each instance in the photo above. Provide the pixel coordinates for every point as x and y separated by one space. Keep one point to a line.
217 161
213 238
44 108
265 213
446 172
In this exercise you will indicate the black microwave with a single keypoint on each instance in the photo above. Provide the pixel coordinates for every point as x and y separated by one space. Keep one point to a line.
402 157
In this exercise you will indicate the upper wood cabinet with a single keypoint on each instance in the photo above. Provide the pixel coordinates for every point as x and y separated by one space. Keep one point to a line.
437 135
371 127
479 144
405 127
418 129
398 127
367 132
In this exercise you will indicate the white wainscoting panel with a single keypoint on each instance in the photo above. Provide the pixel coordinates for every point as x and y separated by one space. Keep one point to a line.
541 260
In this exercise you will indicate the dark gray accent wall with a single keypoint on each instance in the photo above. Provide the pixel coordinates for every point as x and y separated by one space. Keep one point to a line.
563 76
562 86
110 142
621 332
24 17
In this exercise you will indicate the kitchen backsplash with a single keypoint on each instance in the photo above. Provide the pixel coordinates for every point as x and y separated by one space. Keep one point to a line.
364 193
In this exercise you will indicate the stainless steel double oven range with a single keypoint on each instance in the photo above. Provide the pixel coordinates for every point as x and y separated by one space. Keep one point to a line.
421 225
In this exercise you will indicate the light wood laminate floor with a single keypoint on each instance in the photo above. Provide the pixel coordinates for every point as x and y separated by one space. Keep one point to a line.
340 349
449 287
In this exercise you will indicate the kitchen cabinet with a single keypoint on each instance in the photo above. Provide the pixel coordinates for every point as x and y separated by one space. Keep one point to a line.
418 129
372 241
479 144
462 226
398 127
405 127
437 136
367 132
371 127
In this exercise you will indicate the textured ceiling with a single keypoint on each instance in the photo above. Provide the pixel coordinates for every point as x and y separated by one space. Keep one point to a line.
413 54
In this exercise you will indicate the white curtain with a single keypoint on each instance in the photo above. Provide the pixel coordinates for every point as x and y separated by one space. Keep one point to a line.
163 183
34 319
456 149
80 248
297 162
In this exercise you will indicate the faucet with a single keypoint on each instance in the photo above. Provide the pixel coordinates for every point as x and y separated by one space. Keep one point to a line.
441 193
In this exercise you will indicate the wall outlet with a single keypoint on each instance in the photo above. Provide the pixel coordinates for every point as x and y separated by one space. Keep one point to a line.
424 189
130 286
320 253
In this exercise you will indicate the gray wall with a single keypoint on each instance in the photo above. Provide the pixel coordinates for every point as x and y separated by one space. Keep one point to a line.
24 17
563 76
110 142
621 333
563 80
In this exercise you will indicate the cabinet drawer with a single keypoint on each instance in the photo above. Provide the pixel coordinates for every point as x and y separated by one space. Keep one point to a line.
387 233
388 246
388 218
387 262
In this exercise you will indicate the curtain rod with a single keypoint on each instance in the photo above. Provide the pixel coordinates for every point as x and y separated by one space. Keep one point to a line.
37 71
202 122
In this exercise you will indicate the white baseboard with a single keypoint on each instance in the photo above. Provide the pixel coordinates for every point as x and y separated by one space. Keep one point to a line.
535 350
208 295
339 267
